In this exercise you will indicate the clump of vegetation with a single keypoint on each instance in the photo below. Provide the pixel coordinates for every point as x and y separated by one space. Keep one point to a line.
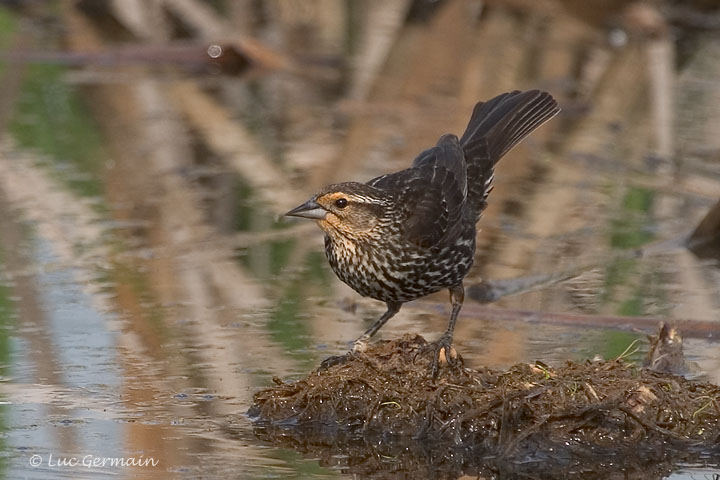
601 407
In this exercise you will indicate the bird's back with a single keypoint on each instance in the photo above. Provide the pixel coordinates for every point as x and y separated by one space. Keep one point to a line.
431 195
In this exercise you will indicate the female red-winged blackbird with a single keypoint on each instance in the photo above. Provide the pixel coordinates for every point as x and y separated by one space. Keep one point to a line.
407 234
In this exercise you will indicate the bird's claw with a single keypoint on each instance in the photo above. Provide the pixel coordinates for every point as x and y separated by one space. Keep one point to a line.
444 354
360 345
335 360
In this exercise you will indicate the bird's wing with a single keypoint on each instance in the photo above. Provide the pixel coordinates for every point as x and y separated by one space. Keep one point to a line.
431 193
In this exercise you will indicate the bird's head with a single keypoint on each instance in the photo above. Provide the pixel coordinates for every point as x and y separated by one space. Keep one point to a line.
350 210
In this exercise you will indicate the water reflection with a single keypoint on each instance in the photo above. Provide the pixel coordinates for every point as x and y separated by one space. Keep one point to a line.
147 290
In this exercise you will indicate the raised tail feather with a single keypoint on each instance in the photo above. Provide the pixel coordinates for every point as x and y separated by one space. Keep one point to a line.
495 127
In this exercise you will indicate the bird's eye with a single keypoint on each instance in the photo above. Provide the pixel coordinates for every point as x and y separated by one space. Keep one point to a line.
341 202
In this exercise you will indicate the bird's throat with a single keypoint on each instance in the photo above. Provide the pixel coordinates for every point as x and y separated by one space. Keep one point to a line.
341 241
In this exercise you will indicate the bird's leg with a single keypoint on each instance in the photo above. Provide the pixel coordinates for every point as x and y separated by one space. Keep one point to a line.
444 344
361 343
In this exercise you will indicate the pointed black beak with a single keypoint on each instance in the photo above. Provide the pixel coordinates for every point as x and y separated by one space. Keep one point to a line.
309 209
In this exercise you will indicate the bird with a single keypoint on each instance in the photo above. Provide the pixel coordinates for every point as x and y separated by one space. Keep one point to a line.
404 235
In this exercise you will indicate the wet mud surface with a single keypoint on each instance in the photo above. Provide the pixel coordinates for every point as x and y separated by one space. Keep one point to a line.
382 412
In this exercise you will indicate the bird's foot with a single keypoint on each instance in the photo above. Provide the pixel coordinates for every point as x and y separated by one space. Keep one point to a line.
335 360
360 345
444 354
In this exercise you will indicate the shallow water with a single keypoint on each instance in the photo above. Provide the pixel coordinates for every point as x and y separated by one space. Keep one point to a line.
148 288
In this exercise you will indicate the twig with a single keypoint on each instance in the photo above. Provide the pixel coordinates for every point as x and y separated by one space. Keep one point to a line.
706 236
707 329
626 352
652 426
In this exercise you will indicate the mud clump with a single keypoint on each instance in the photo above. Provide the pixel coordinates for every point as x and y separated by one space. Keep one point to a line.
526 413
